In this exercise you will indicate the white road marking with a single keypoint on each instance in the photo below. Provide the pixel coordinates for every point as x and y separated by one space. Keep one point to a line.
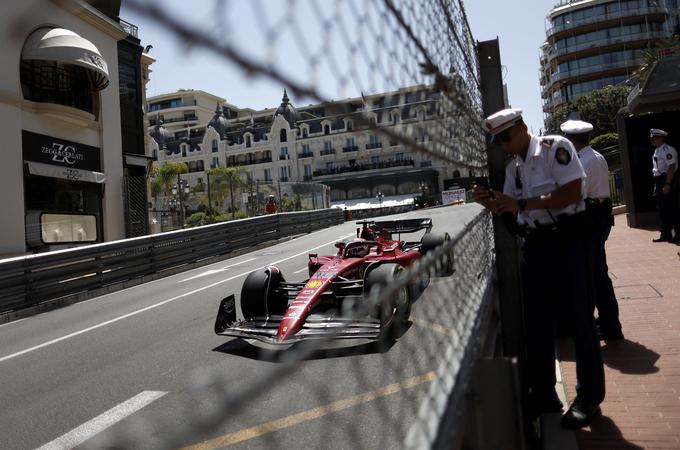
103 421
150 307
213 271
301 270
14 321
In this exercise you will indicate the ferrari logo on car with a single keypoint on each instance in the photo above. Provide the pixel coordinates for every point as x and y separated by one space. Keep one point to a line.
314 284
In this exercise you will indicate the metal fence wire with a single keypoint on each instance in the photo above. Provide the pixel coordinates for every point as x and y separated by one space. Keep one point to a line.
409 389
354 46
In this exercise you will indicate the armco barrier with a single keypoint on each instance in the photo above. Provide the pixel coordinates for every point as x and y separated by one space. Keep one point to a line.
28 281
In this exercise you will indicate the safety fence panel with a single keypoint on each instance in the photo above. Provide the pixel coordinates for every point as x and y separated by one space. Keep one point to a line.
30 280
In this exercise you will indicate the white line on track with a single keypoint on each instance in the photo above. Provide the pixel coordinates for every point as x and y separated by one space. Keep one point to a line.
213 271
301 270
103 421
155 305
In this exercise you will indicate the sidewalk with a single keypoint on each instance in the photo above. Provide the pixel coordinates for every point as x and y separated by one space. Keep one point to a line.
642 407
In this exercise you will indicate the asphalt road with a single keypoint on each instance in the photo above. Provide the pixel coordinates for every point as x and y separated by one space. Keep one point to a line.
137 363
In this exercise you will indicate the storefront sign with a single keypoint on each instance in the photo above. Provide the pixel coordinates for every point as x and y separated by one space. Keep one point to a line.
66 173
453 196
59 152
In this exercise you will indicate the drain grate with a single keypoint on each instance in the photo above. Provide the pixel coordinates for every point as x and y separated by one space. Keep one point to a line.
636 291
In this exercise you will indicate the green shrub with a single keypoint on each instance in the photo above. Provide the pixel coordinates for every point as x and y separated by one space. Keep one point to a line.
197 219
605 141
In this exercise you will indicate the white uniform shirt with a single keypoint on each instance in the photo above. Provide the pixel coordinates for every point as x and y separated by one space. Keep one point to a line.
597 173
664 156
551 162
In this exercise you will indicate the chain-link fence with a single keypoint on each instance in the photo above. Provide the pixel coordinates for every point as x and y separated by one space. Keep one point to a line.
398 392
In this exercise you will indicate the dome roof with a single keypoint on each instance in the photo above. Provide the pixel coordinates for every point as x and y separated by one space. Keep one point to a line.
219 123
287 110
161 135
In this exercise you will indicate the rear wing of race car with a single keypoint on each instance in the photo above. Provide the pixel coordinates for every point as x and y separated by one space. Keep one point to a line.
400 226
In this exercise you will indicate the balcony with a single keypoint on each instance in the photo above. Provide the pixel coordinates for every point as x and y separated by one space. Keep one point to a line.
562 76
327 151
354 148
250 162
373 145
600 43
363 167
650 10
307 178
305 155
284 157
128 27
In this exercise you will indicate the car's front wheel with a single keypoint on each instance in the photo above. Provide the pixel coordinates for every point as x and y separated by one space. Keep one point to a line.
259 294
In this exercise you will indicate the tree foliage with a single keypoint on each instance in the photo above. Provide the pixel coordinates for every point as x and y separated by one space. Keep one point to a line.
651 55
598 107
227 181
605 141
164 177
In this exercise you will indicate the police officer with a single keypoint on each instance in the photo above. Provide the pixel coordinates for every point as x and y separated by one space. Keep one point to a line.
544 183
599 209
665 165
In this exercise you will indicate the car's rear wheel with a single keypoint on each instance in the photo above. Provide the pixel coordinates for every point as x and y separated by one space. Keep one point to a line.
429 242
259 294
395 312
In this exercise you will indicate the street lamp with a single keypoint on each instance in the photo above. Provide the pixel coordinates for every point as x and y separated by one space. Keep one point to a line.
182 187
380 198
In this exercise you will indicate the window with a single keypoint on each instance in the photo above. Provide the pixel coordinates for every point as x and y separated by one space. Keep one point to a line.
375 159
306 150
247 140
53 82
283 153
308 172
373 142
267 174
399 156
283 136
349 125
326 129
395 118
305 132
214 146
172 103
285 172
215 162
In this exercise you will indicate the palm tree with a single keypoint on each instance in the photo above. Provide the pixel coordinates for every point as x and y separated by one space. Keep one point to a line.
165 176
228 179
651 55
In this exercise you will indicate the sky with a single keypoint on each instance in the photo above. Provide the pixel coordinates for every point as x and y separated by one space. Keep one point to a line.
253 25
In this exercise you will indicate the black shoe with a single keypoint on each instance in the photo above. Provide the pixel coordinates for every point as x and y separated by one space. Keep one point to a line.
612 336
607 335
580 414
662 239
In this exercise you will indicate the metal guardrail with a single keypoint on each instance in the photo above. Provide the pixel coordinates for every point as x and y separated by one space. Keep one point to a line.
30 280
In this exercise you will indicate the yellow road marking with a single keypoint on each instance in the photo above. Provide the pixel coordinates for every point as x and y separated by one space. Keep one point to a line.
435 327
311 414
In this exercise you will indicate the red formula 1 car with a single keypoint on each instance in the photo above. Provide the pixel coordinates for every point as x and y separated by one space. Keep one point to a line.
332 302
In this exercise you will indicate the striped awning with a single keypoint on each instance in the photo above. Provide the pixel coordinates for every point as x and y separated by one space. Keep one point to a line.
65 46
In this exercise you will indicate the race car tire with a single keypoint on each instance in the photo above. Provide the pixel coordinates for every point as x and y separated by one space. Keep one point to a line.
430 241
258 294
398 310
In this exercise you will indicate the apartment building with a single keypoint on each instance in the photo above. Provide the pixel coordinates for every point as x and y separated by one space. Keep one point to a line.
591 44
322 143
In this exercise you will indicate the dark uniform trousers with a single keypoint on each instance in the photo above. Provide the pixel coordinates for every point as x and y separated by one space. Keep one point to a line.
669 211
600 214
555 272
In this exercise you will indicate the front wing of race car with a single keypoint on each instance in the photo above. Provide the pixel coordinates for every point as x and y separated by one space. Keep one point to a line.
265 328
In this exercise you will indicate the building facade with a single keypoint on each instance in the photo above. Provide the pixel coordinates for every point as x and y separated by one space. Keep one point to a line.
71 107
312 144
592 44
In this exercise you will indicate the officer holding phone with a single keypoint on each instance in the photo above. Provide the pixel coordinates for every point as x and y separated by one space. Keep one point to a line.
544 187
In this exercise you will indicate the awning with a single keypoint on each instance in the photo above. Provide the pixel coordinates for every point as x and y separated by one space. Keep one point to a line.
65 46
66 173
